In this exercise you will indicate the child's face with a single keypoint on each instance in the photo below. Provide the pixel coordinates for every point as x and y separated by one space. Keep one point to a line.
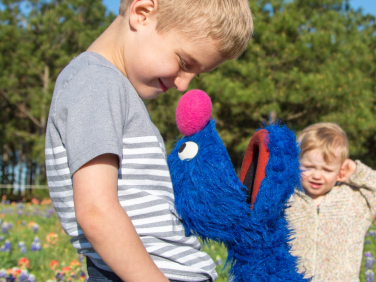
161 62
319 177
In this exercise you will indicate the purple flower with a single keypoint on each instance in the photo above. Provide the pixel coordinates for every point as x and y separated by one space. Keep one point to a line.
8 245
3 273
5 227
81 257
31 278
368 254
23 250
35 245
19 212
23 223
24 275
35 228
1 238
369 262
370 276
20 244
367 242
10 278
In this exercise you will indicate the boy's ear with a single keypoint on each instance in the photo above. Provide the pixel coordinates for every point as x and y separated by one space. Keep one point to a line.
140 12
347 169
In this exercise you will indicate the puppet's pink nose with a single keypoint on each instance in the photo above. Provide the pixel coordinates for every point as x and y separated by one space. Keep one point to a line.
193 112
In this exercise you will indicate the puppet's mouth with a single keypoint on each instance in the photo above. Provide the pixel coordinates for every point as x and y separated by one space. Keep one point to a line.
254 165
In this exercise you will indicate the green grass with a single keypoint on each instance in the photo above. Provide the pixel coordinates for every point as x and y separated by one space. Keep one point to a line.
63 252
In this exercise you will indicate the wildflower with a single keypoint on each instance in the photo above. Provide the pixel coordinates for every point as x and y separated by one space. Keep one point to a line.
21 244
1 238
74 263
10 278
24 276
34 201
368 254
23 263
35 246
367 242
23 223
3 273
54 264
23 250
370 276
52 238
369 261
6 247
218 260
31 278
81 257
5 227
66 269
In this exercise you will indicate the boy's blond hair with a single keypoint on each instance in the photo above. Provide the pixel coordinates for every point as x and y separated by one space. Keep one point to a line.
228 22
326 136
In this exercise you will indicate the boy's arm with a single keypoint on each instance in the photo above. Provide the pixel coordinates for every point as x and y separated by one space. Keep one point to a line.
105 223
365 178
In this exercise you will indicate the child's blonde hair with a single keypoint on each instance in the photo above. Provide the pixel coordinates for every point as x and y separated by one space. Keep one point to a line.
326 136
229 22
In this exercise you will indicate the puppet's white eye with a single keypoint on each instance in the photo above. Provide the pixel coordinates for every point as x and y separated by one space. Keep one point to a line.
188 151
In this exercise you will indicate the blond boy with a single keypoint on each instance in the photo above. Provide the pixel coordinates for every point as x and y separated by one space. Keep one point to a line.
106 162
331 217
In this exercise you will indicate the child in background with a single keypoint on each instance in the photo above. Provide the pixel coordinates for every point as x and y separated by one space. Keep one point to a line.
331 218
105 160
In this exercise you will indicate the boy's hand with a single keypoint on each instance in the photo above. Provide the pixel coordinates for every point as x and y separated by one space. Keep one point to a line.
347 169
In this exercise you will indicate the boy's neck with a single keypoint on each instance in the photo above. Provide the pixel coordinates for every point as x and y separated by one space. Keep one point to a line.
107 44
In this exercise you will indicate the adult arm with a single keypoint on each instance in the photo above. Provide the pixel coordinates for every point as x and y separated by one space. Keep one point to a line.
105 223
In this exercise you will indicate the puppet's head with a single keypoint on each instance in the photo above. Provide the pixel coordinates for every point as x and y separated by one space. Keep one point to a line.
208 193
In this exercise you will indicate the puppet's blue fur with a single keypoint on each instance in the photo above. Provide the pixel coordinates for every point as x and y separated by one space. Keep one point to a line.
211 201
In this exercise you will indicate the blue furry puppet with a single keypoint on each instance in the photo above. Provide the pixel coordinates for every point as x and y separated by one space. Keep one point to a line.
246 215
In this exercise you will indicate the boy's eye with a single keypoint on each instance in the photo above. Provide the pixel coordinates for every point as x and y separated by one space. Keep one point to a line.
183 65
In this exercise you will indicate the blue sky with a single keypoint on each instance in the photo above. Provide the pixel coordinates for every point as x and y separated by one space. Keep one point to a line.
369 6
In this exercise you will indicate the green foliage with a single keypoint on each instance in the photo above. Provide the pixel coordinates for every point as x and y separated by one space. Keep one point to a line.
36 42
308 61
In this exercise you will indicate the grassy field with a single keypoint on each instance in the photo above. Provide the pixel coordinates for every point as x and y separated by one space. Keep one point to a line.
34 247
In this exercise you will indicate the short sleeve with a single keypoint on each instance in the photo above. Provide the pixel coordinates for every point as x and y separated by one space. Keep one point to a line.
90 114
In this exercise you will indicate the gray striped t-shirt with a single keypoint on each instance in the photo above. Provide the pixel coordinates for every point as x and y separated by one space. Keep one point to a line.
95 110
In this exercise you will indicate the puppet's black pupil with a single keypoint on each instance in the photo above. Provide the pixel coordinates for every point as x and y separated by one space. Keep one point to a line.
182 147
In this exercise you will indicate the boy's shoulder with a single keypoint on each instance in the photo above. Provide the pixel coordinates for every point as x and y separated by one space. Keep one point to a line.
86 64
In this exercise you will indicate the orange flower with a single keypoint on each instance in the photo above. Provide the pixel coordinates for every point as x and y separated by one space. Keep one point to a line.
74 263
46 202
54 264
31 224
2 215
18 221
66 269
52 238
34 201
23 262
16 272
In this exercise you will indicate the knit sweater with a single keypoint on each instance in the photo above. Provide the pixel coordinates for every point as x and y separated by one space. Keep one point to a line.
328 239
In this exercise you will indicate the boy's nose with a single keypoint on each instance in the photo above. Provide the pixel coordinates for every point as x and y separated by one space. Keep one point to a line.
182 82
316 174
